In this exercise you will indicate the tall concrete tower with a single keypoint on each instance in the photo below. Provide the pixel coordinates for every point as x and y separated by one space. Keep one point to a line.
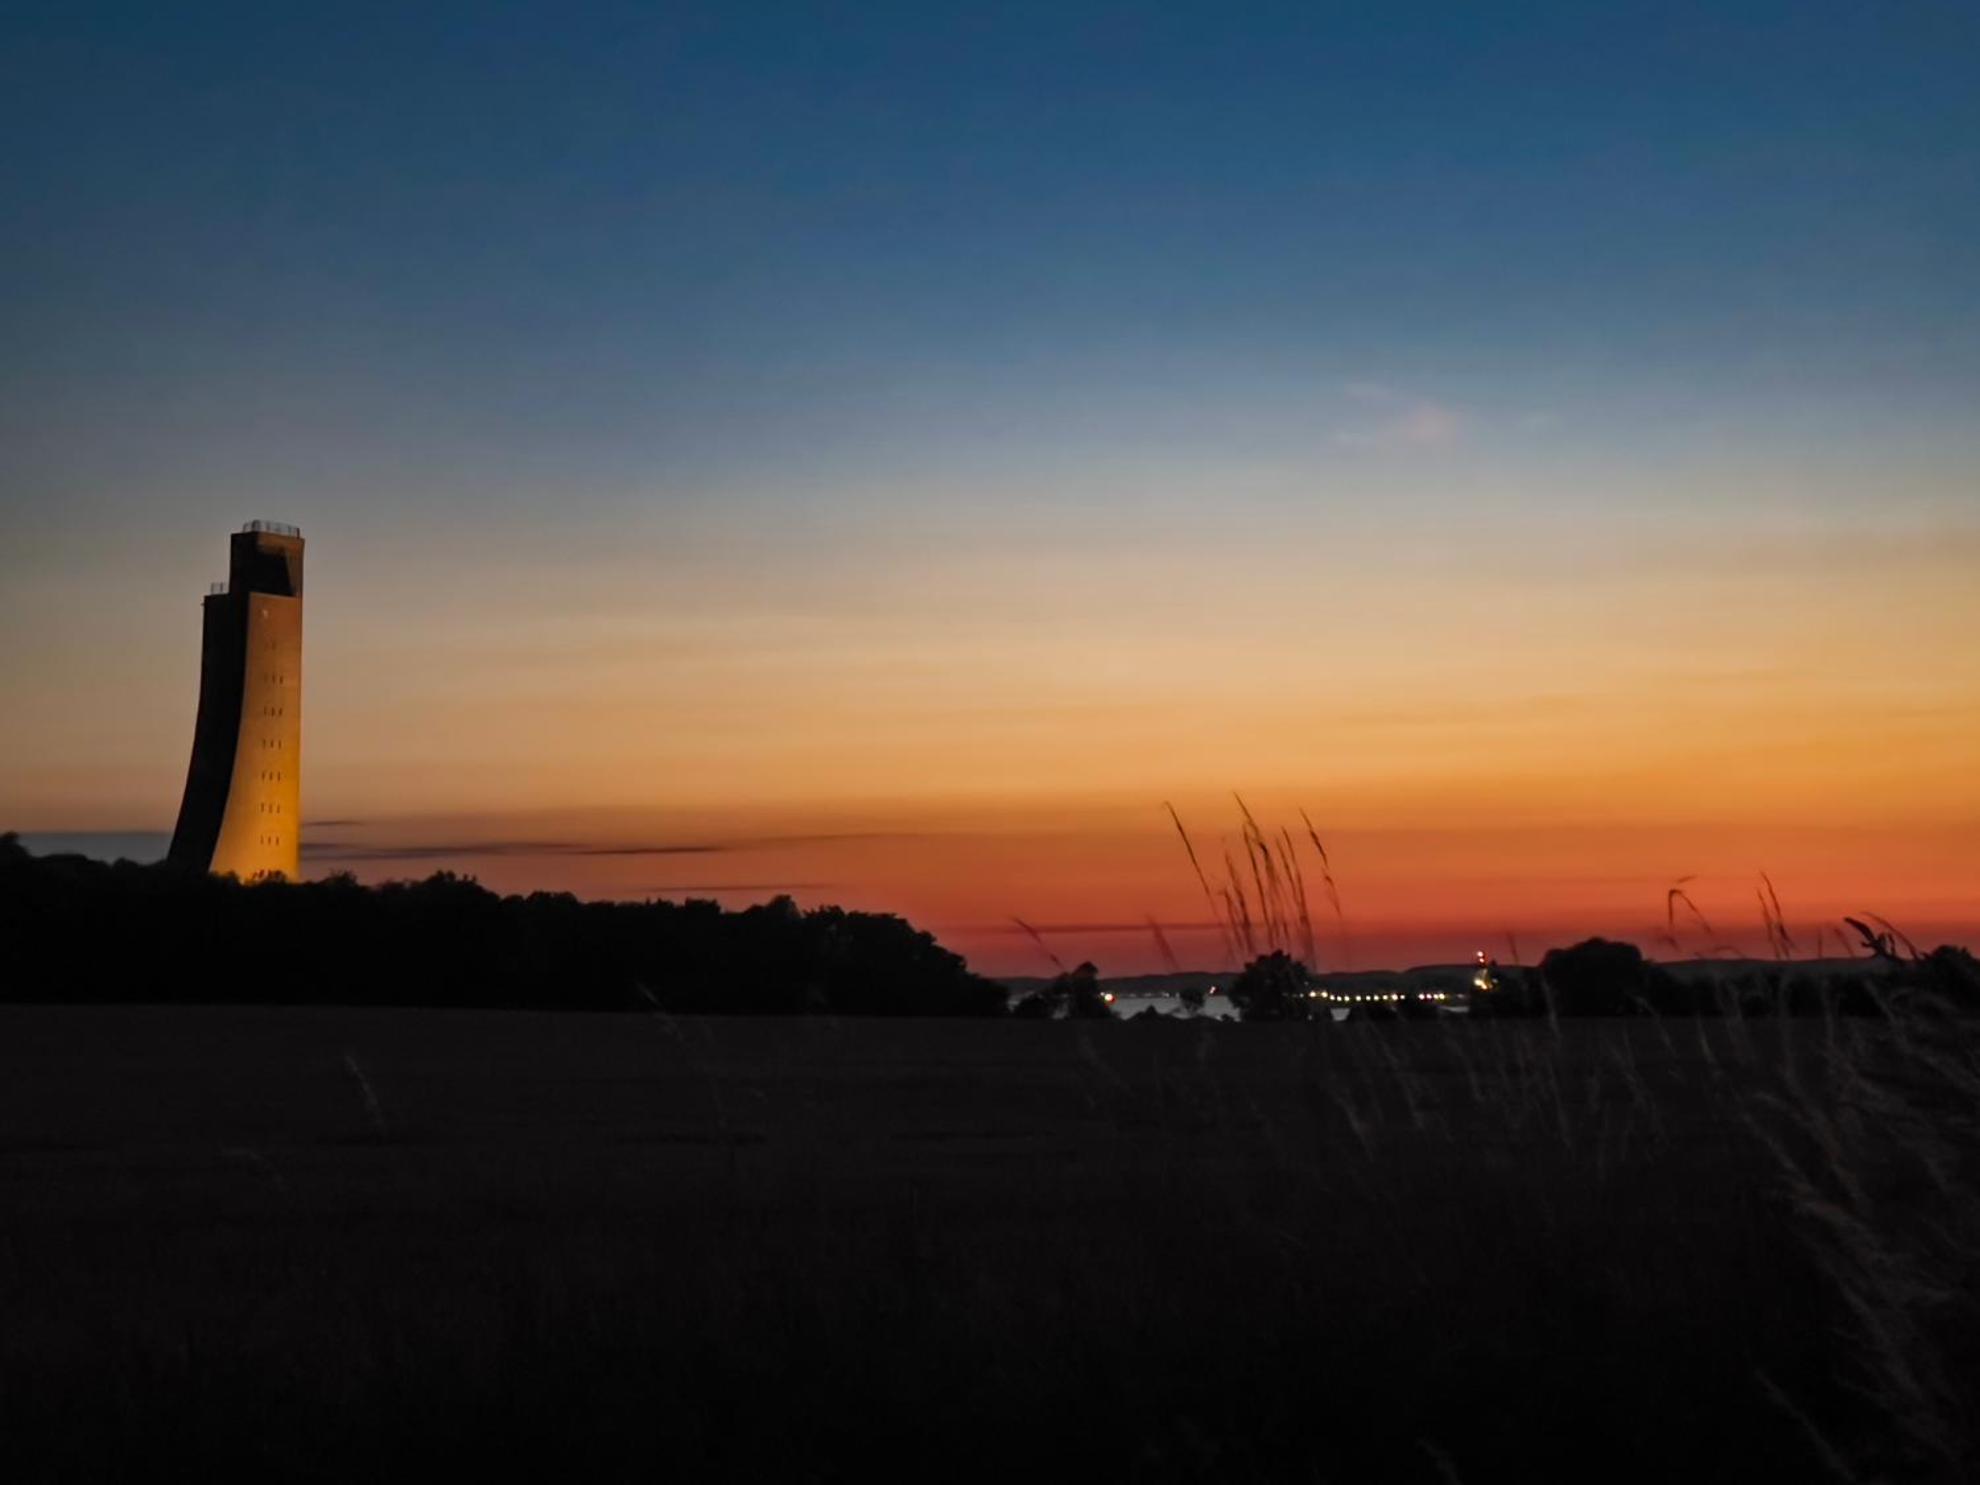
242 810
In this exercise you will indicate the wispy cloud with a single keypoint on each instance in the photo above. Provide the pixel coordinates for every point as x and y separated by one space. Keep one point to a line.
667 888
450 850
694 849
1388 418
457 849
1137 927
773 842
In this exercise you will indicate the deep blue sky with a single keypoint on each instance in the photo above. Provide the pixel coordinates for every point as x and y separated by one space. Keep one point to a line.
487 242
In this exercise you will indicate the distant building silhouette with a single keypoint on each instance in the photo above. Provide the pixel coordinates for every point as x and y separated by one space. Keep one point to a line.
242 808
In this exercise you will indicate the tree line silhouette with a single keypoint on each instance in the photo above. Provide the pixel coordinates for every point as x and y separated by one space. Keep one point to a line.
77 929
1600 977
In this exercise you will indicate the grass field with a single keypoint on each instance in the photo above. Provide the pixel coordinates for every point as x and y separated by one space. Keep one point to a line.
341 1243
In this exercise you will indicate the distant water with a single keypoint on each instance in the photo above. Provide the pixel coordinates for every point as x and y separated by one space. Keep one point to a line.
104 845
1216 1008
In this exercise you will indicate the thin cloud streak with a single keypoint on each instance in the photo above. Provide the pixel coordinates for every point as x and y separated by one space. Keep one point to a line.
442 850
769 842
454 849
1167 926
1400 420
670 887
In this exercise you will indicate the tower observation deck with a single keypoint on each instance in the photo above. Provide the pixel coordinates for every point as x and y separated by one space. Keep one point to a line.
242 811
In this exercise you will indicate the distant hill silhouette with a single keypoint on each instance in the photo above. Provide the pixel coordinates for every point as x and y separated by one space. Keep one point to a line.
76 929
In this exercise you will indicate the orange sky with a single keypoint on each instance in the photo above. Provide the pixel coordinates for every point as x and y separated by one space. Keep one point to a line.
1491 739
1091 874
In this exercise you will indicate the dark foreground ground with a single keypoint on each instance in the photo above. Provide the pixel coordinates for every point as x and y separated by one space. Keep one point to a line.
345 1244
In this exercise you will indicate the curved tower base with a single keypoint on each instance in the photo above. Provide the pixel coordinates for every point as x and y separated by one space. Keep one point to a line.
242 812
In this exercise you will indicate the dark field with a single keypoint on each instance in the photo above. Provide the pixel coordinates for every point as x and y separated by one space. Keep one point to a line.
337 1243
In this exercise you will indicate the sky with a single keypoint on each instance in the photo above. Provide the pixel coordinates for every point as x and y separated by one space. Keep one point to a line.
885 453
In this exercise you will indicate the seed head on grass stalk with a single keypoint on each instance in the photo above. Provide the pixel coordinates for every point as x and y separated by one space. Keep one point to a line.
1271 911
1248 833
1897 934
1281 887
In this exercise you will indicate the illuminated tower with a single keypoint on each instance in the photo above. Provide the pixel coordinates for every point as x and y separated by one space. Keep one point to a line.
242 810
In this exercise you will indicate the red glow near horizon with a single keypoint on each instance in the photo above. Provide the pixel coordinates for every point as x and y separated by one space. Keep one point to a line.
1012 890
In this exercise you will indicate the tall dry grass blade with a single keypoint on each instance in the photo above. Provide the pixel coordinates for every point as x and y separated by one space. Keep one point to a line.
1280 916
1244 810
1304 908
1039 939
1767 925
1850 946
261 1163
1827 1452
1446 1468
1327 881
1778 929
1239 927
1195 865
1242 922
1675 897
1253 844
1262 895
373 1110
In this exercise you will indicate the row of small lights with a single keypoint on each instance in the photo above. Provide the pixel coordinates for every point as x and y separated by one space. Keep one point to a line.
1483 980
1389 998
1108 996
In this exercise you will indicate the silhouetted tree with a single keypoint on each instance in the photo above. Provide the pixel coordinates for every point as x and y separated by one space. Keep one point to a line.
1036 1006
1084 999
1192 998
1600 977
1273 987
1952 972
1073 993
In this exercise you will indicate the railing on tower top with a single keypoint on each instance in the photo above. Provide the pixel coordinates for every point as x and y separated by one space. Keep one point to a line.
273 528
215 590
